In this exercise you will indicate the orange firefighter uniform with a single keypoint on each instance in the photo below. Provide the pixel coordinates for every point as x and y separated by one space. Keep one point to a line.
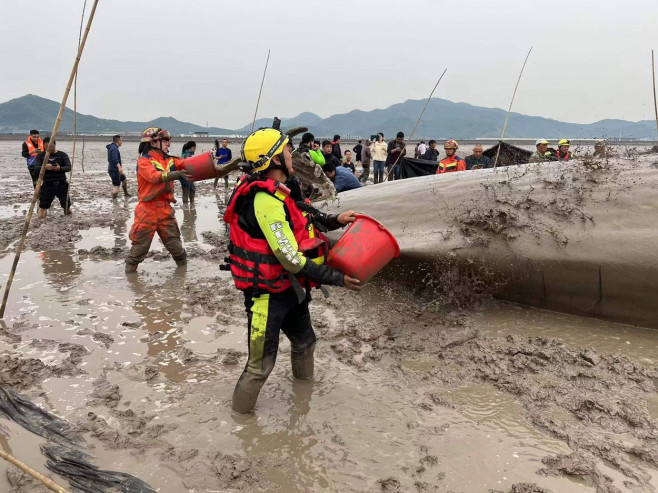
154 212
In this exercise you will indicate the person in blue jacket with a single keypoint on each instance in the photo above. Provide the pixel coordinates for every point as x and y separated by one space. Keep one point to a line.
114 167
342 177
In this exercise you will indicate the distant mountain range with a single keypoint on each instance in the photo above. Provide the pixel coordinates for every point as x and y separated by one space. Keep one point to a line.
442 119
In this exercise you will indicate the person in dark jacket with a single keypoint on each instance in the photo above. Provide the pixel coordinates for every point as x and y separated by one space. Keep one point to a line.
188 187
358 148
477 160
54 179
329 157
395 151
366 159
431 154
114 167
335 148
348 163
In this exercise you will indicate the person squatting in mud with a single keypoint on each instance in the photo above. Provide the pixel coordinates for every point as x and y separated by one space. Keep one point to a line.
115 168
276 256
54 179
156 173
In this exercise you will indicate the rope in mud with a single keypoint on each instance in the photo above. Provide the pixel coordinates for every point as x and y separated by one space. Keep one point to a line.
509 110
417 122
261 90
47 482
75 115
37 188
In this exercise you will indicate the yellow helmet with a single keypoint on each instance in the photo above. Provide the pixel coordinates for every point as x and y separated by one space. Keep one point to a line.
564 142
451 144
261 146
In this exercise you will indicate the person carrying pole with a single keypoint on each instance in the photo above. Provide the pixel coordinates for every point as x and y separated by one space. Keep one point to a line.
156 173
276 256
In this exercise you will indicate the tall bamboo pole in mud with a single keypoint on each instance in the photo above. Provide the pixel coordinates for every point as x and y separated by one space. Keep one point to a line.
75 115
53 136
655 102
417 122
500 144
260 91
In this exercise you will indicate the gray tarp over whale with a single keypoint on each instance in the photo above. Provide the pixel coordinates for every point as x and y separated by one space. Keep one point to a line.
579 237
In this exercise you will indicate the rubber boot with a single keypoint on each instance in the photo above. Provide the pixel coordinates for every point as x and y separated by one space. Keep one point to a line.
186 195
131 268
115 192
124 185
302 362
42 213
248 387
182 260
192 194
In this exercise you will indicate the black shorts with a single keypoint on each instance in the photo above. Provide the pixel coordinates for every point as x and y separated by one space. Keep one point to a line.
117 178
52 189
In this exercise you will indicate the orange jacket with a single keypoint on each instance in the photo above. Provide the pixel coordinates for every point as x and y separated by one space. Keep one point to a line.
452 163
152 167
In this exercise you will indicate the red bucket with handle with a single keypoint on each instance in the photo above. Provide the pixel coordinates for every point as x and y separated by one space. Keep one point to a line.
201 166
364 249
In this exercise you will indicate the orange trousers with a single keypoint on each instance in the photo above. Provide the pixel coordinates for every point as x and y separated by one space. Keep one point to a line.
150 218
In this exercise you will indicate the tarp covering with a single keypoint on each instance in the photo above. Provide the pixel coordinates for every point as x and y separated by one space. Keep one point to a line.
509 154
410 168
65 458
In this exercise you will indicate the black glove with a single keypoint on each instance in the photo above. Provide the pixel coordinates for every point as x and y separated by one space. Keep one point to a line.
322 274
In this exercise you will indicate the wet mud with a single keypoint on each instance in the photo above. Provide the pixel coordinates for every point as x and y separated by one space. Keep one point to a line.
430 387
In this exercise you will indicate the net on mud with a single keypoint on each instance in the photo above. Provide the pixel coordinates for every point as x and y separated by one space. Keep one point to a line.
64 457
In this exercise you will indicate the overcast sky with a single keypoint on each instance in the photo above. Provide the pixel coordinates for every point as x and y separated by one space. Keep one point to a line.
202 60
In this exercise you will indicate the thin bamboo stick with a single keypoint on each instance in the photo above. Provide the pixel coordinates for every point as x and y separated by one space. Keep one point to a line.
37 189
47 482
655 103
417 122
509 110
260 91
75 115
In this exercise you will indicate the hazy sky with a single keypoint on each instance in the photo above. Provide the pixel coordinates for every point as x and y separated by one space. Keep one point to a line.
202 60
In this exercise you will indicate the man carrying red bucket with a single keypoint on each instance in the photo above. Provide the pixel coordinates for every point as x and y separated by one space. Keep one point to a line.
277 255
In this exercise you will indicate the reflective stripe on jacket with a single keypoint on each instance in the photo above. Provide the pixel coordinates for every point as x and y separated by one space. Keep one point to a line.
152 167
449 164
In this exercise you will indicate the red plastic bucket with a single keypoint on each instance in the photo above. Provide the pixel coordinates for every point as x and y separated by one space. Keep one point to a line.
364 249
201 166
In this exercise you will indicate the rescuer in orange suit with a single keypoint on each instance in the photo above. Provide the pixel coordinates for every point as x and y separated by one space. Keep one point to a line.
156 173
452 162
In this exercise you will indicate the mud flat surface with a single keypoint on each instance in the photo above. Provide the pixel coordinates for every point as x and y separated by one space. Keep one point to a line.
435 387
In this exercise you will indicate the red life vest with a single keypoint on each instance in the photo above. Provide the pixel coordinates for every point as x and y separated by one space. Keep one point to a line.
563 157
252 261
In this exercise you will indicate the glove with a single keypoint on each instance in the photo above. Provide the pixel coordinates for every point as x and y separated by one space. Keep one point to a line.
176 175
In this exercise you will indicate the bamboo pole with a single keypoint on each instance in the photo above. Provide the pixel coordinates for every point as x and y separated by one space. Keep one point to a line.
417 123
655 102
75 115
509 110
37 189
261 90
82 163
47 482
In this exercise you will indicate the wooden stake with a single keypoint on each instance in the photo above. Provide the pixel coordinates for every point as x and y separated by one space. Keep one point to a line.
37 189
500 144
47 482
655 103
75 115
417 122
261 90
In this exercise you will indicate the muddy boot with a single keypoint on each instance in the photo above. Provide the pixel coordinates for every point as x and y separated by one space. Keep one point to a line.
186 196
302 362
115 192
246 392
131 268
182 260
42 213
124 185
192 193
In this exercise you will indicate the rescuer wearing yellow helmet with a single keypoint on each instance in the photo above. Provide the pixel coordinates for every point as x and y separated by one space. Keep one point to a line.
277 255
563 153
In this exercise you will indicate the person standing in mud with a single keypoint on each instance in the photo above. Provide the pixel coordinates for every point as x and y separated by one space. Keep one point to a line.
366 159
276 257
54 179
31 147
115 168
358 149
542 154
395 150
188 188
156 172
379 148
224 156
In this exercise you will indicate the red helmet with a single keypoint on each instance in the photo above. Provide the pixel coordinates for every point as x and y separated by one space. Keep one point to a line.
451 144
152 134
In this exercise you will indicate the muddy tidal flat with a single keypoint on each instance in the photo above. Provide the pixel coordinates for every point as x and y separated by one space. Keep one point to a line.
413 392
